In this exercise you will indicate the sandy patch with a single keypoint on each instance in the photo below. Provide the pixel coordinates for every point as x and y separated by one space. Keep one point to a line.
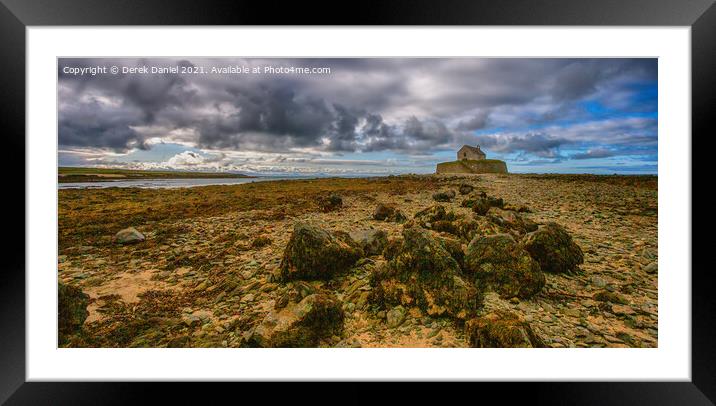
128 286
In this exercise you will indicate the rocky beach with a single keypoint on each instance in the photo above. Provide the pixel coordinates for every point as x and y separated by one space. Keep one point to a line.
490 260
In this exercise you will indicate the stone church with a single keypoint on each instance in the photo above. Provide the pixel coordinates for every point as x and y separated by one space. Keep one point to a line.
470 153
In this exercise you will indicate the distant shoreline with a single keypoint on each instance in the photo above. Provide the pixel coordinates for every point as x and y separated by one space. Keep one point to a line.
82 174
106 175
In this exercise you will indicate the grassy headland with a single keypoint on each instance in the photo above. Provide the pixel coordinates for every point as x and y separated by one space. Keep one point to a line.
473 166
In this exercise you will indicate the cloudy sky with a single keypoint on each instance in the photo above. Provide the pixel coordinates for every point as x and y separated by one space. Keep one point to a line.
365 116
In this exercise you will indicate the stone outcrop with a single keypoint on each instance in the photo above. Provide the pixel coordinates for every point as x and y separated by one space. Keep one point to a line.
425 274
554 249
303 324
314 253
373 242
499 261
71 310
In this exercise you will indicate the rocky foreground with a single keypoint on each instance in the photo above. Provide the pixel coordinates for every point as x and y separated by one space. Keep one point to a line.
487 260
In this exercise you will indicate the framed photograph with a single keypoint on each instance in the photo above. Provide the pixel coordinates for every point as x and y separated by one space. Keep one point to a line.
474 191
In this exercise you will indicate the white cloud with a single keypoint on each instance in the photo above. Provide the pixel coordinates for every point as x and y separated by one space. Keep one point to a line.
186 158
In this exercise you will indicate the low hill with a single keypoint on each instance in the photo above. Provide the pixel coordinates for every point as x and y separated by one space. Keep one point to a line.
76 174
473 166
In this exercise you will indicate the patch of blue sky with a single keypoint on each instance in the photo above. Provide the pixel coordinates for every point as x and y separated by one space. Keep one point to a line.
598 111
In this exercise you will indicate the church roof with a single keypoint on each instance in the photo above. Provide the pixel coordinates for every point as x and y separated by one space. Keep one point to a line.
474 149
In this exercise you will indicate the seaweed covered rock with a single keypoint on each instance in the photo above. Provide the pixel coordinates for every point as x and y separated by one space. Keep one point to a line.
304 324
518 208
454 247
501 329
434 213
444 196
444 226
373 242
260 241
356 287
480 206
329 203
511 220
425 274
71 310
495 201
498 260
468 229
554 249
482 203
314 253
388 212
468 202
466 189
298 290
395 316
129 235
437 218
392 249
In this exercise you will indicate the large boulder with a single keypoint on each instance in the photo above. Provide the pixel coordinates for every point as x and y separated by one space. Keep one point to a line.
388 212
71 310
501 330
129 235
373 242
304 324
314 253
554 249
498 260
511 220
426 275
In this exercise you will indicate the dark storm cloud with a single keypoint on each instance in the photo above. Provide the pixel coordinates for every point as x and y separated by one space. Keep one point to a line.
149 94
100 110
270 117
88 125
476 122
414 106
342 135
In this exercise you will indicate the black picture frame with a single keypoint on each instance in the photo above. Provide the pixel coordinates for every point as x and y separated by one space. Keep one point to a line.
16 15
